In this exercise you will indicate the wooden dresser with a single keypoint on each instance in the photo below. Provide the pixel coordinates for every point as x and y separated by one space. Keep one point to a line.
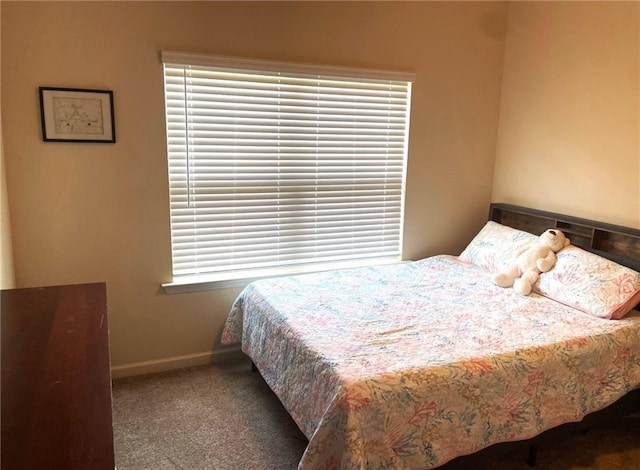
56 379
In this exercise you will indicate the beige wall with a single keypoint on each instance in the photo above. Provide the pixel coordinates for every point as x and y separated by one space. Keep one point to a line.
569 127
99 212
7 278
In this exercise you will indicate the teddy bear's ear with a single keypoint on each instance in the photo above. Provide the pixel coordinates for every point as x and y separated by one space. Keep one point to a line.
567 242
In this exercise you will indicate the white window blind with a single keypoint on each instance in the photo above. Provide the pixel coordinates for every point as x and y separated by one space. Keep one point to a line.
277 165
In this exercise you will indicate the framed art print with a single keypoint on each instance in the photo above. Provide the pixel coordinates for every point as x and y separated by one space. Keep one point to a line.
77 115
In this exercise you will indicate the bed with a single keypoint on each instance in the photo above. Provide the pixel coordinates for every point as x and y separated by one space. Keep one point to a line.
410 365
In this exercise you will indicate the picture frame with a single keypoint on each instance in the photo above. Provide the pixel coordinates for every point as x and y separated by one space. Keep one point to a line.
77 115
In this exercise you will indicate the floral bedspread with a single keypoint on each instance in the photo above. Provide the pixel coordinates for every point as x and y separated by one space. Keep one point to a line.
408 366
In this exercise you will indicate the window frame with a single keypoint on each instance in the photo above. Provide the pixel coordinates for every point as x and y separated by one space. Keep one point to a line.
206 281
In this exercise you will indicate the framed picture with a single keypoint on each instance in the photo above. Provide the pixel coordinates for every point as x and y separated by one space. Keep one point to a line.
77 115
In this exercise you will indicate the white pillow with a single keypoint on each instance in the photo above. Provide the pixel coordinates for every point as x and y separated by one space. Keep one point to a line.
591 283
579 279
496 246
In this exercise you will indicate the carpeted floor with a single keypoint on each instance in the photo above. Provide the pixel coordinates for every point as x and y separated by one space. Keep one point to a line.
224 417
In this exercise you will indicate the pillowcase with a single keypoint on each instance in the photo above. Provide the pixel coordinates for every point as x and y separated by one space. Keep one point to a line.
590 283
579 279
496 246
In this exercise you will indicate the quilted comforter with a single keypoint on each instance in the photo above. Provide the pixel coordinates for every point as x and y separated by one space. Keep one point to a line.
408 366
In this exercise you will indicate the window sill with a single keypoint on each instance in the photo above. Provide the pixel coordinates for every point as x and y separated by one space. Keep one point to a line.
185 284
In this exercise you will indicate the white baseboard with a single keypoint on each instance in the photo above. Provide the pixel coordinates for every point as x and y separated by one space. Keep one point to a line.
177 362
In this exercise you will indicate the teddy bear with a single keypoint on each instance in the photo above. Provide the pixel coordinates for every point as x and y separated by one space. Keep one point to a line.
532 259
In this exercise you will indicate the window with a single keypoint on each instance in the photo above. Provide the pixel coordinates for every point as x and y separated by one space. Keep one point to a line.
277 167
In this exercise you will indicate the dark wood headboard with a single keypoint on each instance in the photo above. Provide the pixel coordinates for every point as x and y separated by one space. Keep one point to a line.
617 243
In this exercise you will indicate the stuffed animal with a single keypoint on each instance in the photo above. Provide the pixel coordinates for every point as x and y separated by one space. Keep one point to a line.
532 259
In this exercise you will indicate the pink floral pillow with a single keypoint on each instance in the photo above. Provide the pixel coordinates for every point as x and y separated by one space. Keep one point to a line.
580 279
496 246
591 283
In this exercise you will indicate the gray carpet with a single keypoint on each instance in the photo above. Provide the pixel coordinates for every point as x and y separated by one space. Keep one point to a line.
224 417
